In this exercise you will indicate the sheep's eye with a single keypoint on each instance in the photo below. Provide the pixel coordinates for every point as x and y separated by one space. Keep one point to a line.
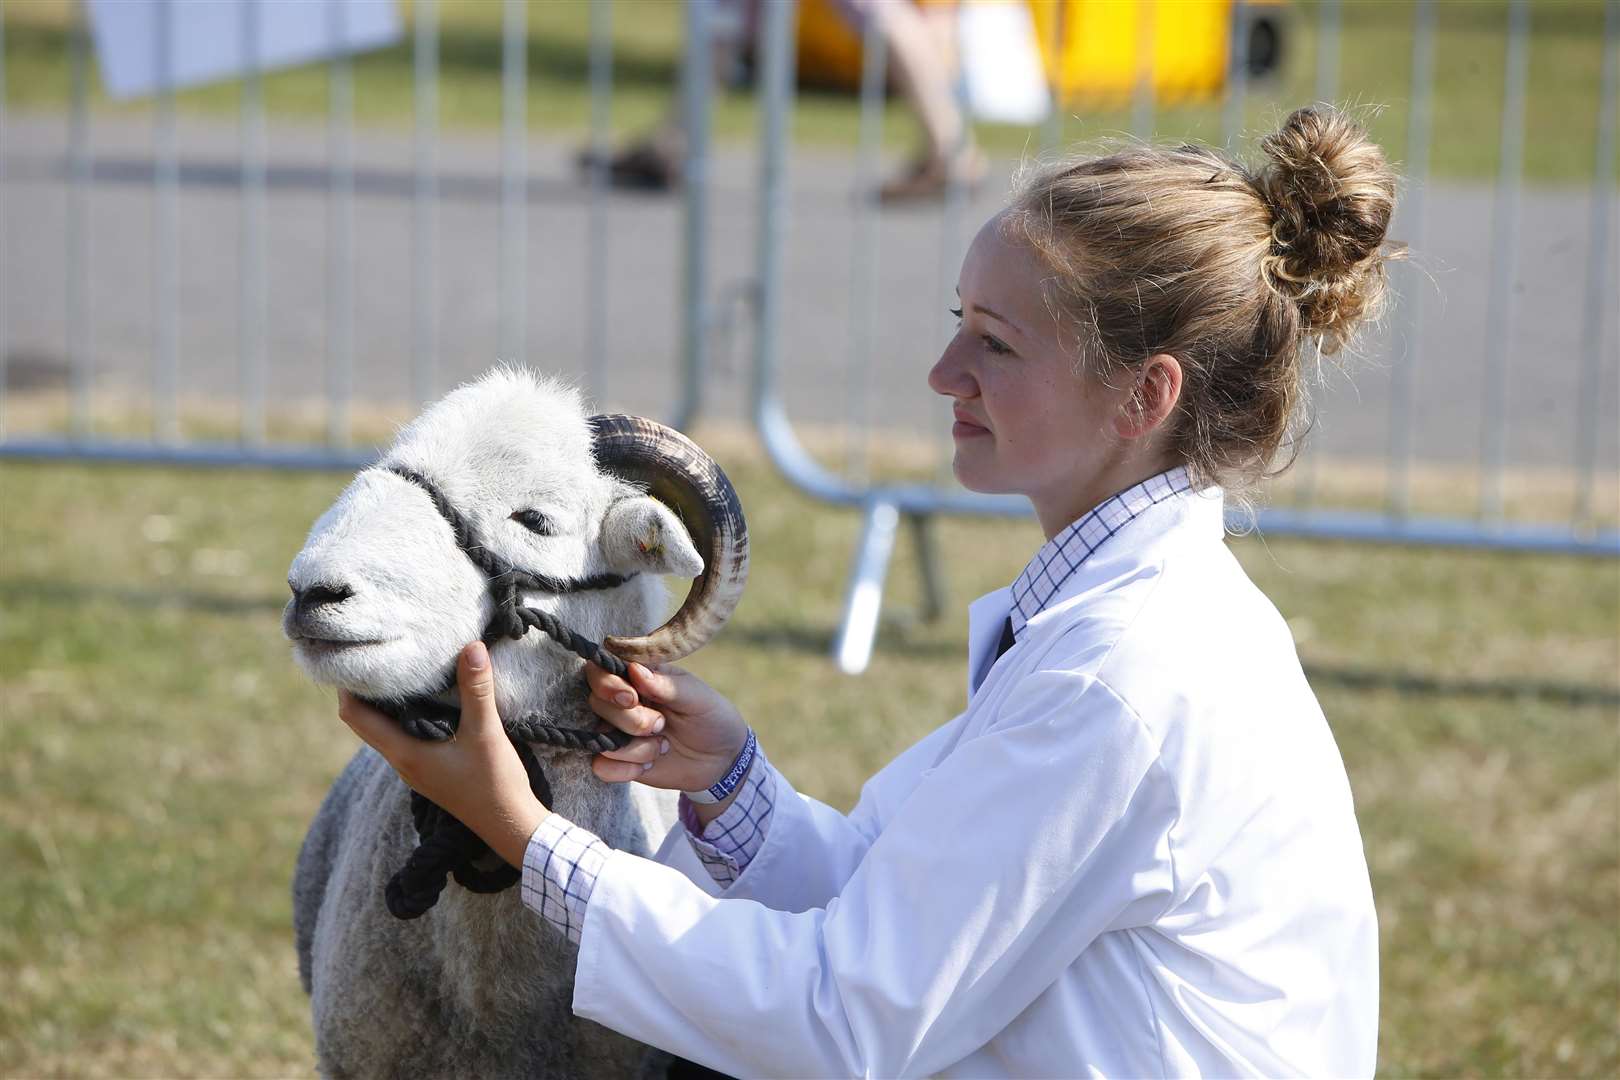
535 522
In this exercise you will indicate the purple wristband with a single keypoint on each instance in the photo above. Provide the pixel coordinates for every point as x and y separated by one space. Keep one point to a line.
722 788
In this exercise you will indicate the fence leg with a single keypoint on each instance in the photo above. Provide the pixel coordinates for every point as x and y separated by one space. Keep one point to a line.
863 602
933 581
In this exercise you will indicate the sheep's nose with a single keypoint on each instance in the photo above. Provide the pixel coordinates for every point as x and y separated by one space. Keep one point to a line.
315 597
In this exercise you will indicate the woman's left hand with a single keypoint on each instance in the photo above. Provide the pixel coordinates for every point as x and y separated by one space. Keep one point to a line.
477 775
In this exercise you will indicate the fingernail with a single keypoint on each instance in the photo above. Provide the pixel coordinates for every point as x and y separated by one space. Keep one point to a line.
658 724
477 656
663 746
624 699
647 766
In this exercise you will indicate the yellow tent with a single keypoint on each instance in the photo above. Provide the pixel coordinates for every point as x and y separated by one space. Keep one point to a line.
1095 51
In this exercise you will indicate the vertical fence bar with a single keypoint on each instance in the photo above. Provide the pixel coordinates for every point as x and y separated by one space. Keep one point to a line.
1327 88
514 242
425 203
252 318
1504 262
166 192
340 230
1237 74
1410 313
1599 291
953 219
76 285
863 595
596 263
1144 99
697 74
864 249
4 296
1327 51
776 30
1052 130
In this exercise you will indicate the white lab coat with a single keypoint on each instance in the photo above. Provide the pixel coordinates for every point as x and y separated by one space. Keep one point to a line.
1133 854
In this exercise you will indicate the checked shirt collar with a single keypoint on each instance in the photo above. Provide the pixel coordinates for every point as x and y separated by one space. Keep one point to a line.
1062 555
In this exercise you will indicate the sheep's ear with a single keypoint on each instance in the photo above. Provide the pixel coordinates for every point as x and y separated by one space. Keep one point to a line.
642 533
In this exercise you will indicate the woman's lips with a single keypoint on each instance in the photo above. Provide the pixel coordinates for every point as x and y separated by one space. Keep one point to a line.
966 427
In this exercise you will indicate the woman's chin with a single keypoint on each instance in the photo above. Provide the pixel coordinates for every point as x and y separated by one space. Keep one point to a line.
972 474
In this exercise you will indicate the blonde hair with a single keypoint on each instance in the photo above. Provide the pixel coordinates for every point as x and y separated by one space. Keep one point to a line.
1231 271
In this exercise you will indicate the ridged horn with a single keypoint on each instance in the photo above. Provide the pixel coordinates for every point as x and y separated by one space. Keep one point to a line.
677 473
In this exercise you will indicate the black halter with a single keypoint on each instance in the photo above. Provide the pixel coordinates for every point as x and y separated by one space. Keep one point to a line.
446 846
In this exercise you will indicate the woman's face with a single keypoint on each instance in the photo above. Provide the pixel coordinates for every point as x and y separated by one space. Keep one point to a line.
1028 420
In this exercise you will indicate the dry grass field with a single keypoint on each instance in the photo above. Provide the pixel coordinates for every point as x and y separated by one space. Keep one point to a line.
162 758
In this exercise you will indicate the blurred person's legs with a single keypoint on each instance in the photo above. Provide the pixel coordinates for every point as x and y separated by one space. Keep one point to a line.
922 52
653 160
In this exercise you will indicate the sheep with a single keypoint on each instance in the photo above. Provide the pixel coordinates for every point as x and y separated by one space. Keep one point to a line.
382 601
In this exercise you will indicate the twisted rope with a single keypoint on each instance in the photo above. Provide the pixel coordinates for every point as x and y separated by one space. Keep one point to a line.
448 848
445 846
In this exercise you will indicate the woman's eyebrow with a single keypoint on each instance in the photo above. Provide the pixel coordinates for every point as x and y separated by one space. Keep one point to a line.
982 310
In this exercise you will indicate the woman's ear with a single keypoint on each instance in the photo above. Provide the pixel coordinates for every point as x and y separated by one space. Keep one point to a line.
1157 390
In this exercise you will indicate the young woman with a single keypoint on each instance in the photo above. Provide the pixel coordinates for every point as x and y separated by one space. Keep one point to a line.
1135 852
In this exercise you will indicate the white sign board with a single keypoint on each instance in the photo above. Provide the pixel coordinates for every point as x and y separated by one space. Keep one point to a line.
1001 62
144 45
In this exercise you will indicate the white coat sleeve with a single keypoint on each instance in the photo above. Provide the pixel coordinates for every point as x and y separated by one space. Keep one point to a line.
810 849
1005 861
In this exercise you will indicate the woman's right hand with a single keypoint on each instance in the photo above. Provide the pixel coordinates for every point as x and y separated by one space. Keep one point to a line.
686 733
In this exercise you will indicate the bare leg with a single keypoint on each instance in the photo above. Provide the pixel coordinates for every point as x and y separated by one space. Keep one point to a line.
653 160
922 53
923 73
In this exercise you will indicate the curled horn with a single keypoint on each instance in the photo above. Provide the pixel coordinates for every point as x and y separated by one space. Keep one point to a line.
681 476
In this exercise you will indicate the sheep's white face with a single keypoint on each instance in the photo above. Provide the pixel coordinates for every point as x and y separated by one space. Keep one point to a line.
384 599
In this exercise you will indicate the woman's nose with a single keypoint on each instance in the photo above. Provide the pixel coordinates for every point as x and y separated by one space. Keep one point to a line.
950 376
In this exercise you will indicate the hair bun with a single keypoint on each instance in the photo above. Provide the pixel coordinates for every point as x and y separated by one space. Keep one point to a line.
1331 194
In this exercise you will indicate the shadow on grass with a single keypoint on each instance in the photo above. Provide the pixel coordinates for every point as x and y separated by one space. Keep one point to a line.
367 181
1412 684
781 637
819 641
74 594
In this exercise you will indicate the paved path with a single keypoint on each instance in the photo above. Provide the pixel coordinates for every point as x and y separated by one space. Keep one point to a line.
643 260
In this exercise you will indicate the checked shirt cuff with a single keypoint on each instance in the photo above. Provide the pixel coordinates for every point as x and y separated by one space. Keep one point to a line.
560 867
730 842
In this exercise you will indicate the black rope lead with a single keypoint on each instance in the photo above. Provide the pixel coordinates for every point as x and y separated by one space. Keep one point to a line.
447 848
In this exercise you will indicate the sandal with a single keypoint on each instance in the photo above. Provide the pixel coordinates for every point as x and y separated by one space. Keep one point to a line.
930 178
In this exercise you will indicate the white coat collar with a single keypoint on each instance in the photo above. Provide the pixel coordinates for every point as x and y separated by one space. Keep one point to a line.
1060 557
985 617
1195 516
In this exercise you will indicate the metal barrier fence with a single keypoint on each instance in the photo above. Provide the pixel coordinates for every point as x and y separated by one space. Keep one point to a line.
324 186
803 198
885 506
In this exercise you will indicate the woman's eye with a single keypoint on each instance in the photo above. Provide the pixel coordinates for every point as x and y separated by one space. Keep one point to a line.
535 522
956 313
995 345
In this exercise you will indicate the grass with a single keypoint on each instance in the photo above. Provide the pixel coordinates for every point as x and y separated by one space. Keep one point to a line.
1374 70
162 758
